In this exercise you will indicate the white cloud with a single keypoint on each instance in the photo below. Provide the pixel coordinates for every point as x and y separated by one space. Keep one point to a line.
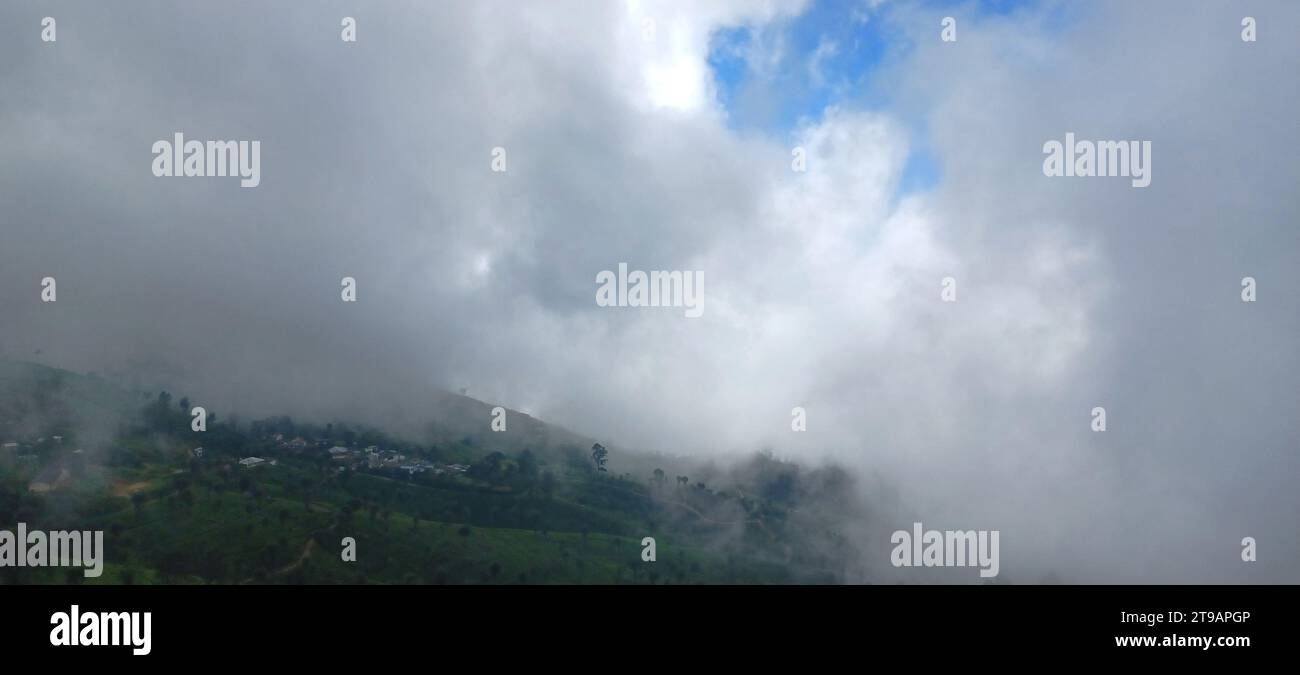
822 288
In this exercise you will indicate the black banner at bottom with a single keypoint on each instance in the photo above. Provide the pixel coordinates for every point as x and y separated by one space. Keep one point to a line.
208 624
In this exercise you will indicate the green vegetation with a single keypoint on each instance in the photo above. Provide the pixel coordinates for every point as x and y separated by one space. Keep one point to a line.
179 506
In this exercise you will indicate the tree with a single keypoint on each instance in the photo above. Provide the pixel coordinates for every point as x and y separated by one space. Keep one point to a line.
660 478
527 471
307 493
527 464
489 468
599 455
548 484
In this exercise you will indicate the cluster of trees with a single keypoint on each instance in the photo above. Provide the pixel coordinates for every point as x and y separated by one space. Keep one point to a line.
599 455
523 473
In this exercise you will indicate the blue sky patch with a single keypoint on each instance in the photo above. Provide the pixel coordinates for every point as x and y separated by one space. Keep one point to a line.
776 78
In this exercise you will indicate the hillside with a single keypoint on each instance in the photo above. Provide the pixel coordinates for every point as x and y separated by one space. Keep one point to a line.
271 500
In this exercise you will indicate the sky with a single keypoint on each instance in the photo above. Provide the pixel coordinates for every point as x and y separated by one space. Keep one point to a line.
661 134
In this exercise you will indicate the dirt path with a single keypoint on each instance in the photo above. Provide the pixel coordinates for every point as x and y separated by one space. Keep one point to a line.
302 559
122 488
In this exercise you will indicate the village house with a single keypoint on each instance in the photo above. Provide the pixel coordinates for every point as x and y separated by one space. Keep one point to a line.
418 466
51 478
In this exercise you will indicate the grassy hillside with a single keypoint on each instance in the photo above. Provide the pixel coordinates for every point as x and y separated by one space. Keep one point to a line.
532 507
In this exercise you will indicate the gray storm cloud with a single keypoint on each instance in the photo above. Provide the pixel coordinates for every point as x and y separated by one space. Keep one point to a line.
822 288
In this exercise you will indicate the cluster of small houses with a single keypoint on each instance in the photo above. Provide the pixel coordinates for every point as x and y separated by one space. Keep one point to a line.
53 477
22 449
372 457
56 476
